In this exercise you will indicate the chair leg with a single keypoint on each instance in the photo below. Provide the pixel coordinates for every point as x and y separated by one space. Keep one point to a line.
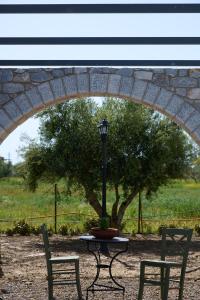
50 290
181 285
78 284
162 281
141 287
166 284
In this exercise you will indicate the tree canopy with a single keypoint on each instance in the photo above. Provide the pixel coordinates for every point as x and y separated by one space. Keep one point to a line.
144 150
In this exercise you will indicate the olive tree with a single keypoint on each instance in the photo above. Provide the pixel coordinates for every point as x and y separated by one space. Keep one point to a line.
144 151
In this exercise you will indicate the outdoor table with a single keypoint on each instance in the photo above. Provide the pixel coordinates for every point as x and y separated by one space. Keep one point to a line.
95 246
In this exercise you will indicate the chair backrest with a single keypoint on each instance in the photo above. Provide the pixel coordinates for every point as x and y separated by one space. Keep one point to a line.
176 242
46 247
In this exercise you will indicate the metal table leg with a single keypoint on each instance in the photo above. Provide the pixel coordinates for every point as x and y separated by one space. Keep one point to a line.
99 266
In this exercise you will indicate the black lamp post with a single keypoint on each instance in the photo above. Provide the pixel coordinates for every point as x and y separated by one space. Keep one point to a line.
103 130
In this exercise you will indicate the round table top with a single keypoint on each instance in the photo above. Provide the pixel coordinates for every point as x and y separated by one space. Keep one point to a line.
91 238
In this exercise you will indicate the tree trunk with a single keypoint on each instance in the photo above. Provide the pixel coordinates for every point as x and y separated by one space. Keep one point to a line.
92 198
124 205
114 217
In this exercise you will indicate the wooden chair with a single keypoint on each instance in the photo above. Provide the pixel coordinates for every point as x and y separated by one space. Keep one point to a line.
175 242
55 276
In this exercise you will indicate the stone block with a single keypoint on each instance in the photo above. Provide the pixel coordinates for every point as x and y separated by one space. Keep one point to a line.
144 75
186 110
114 84
83 83
174 106
3 99
183 72
22 77
34 97
80 70
6 75
1 131
68 71
127 72
12 88
98 83
184 82
151 93
196 134
194 93
12 110
45 92
194 121
107 70
41 76
70 85
5 121
195 73
181 91
161 79
171 72
20 71
57 88
158 71
126 86
163 98
96 70
139 88
58 73
23 103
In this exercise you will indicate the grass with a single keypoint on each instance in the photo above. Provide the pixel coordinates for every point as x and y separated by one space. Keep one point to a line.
180 200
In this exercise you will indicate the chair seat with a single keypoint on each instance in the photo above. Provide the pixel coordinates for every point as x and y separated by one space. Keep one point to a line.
160 263
61 259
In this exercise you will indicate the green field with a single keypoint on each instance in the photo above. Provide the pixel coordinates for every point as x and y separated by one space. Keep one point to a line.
172 205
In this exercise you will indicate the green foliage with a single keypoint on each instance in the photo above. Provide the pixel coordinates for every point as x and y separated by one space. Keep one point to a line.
92 222
5 168
104 223
69 230
23 228
144 151
197 229
63 229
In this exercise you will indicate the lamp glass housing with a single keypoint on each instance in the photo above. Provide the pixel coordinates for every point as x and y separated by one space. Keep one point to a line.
103 127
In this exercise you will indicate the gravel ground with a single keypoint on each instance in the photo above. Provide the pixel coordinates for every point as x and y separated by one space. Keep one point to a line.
24 269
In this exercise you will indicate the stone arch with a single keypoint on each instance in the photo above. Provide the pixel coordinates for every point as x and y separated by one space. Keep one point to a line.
175 93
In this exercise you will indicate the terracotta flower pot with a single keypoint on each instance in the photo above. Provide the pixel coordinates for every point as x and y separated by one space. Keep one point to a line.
107 234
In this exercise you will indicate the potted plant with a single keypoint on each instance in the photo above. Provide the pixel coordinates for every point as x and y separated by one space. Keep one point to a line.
104 231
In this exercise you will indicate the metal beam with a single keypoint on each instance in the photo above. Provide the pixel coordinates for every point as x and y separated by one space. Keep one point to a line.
97 8
125 63
99 40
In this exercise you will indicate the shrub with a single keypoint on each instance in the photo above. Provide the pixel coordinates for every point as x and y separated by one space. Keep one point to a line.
9 232
63 230
197 228
68 229
35 230
91 223
22 228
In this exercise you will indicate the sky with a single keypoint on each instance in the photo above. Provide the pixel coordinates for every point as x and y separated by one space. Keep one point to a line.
92 25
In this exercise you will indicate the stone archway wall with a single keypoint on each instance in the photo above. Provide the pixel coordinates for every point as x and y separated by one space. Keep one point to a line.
174 92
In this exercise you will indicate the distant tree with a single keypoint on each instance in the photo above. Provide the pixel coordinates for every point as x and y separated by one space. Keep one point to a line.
144 151
194 171
5 168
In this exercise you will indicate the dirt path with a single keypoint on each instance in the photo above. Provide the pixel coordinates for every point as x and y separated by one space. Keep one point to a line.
25 269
